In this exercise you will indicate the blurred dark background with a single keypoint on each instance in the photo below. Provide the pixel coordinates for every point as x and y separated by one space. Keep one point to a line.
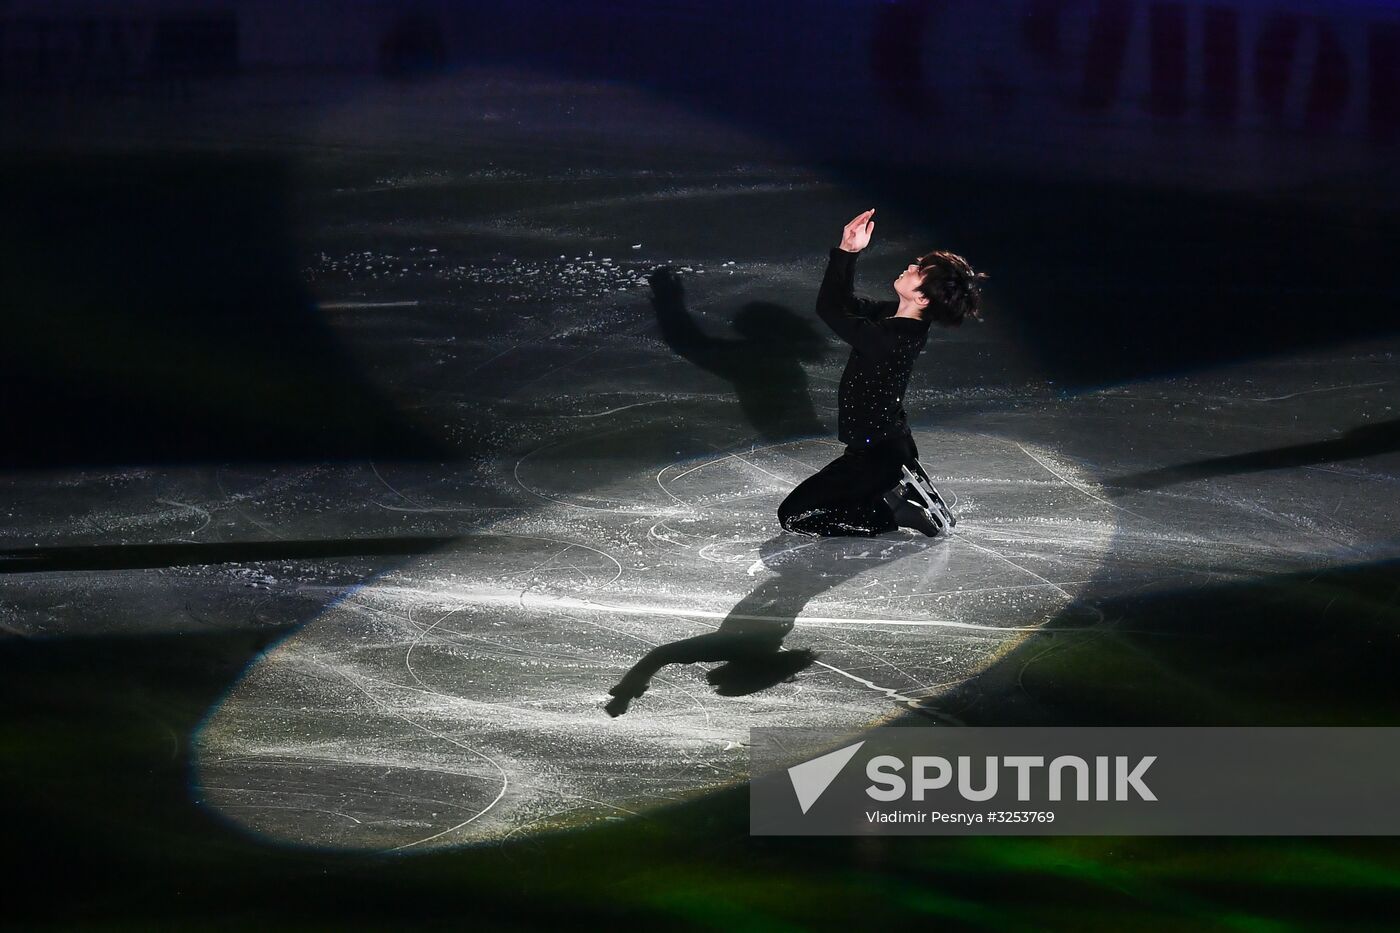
1158 186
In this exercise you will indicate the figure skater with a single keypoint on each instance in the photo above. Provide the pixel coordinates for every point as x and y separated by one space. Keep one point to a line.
878 484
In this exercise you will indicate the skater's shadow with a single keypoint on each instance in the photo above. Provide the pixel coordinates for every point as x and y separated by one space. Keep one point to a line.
749 642
764 365
1365 441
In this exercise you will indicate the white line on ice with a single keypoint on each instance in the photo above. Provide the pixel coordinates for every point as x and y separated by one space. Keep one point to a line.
1280 398
493 359
203 513
765 472
519 600
887 691
738 455
1080 488
391 488
613 411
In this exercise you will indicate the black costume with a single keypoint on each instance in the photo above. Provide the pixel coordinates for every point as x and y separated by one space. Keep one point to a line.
847 496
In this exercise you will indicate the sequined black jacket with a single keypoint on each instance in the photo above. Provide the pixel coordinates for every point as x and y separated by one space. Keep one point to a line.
883 350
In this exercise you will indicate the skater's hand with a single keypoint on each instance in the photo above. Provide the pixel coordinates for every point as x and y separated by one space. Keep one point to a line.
856 236
627 690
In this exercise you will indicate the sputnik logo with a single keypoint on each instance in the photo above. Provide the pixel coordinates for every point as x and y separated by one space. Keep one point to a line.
811 778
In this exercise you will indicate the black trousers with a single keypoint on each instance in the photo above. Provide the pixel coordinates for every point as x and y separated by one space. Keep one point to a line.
847 496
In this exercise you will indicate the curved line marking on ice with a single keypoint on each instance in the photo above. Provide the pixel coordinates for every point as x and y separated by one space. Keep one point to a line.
505 778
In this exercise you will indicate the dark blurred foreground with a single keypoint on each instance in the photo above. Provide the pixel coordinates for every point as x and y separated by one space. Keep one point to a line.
1154 187
104 833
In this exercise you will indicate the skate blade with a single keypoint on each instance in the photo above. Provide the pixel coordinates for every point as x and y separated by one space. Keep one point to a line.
935 503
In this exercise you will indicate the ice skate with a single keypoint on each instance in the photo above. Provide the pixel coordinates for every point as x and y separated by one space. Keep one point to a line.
915 515
929 497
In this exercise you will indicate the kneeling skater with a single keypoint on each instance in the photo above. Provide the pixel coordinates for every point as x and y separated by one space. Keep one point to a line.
878 484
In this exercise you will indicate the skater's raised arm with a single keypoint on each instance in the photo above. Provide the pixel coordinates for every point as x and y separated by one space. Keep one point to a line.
851 317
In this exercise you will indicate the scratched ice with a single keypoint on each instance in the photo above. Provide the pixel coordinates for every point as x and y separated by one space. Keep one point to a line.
458 698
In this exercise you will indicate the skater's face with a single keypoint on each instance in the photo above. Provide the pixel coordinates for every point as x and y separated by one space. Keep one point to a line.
906 286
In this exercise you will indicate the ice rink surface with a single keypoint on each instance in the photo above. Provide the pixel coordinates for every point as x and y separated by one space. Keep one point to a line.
616 491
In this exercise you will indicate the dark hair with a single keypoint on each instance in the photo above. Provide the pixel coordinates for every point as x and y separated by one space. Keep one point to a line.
951 287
